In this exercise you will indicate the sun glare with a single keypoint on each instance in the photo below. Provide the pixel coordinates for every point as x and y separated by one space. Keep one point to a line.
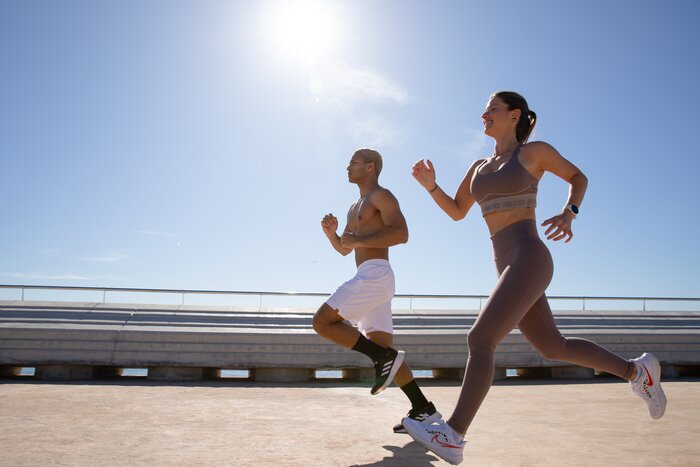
301 30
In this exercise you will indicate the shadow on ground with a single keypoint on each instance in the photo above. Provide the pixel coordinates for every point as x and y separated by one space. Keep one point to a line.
410 455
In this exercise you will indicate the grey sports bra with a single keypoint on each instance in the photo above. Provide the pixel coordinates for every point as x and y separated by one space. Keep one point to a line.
510 187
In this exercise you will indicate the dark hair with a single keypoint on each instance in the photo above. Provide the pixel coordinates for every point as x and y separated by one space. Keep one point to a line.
528 118
370 155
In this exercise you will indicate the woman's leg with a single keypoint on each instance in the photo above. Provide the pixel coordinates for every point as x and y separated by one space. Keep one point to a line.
520 285
539 328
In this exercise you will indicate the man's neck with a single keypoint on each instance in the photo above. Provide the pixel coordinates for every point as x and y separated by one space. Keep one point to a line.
367 187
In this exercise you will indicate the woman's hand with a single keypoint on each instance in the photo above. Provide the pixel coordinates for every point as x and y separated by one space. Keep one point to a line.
425 174
560 227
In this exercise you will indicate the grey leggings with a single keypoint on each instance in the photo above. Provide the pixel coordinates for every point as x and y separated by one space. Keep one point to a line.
525 269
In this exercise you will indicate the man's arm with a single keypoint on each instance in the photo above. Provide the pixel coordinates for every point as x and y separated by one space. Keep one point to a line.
329 224
394 232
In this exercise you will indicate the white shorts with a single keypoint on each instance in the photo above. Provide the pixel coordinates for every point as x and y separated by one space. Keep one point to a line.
365 300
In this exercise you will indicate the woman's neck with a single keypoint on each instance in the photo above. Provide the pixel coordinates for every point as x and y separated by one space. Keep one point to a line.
505 145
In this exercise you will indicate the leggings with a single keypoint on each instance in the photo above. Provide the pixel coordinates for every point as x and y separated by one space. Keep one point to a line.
525 269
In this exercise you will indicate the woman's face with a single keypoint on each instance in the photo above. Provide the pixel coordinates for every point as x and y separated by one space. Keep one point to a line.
498 119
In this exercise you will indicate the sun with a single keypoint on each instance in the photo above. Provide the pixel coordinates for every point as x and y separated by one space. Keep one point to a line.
303 30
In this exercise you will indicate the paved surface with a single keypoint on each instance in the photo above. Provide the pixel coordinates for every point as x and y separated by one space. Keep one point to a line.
336 424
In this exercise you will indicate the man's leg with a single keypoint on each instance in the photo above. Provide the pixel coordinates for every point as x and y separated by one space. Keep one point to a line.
421 408
404 375
328 323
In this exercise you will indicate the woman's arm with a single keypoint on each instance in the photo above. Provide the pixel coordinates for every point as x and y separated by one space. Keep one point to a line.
548 159
456 207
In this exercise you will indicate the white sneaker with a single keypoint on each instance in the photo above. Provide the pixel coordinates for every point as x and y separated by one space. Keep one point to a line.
647 384
425 415
439 438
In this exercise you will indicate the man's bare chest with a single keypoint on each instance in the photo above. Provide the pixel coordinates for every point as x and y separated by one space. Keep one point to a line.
363 213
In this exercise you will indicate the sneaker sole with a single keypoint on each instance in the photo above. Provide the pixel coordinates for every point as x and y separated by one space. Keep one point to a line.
429 448
394 368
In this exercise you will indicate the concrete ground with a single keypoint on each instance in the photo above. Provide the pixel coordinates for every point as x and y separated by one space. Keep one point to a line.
137 422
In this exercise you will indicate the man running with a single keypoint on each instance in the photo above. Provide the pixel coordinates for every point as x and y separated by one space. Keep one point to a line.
374 223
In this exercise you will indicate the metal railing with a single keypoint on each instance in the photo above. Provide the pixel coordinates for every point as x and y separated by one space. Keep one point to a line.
184 292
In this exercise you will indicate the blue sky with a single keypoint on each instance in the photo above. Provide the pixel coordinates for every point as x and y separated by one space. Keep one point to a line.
182 144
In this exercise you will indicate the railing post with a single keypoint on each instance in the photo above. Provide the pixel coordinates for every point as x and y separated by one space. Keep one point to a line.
182 302
480 299
104 295
410 303
644 304
260 304
584 303
22 293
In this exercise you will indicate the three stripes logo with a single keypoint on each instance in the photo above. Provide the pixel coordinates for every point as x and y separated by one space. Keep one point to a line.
386 368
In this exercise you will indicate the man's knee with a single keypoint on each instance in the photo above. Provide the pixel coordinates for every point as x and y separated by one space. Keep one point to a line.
324 317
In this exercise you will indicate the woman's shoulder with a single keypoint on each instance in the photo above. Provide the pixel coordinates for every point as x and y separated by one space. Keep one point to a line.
477 163
474 165
537 146
538 149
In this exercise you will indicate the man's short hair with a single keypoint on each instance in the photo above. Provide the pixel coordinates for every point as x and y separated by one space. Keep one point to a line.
370 155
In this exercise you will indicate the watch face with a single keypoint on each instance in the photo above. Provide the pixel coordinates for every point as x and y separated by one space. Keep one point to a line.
574 209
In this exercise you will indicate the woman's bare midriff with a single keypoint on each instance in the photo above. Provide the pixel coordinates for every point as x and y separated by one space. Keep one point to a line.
498 221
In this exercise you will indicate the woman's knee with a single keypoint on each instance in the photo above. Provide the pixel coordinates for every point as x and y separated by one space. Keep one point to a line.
553 350
479 341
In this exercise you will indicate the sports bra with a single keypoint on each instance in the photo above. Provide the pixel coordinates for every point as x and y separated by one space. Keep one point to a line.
510 187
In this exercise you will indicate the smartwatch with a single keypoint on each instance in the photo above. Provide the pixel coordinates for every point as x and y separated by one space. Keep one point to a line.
573 208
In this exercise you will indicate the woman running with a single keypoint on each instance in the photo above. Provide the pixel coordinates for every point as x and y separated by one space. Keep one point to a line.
505 186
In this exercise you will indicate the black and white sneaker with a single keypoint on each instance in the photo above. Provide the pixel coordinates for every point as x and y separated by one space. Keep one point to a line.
426 415
386 368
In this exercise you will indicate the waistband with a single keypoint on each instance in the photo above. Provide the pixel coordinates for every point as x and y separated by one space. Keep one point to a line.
374 262
515 232
507 203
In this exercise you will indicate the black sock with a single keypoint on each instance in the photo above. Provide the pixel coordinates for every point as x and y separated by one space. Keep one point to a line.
415 395
369 348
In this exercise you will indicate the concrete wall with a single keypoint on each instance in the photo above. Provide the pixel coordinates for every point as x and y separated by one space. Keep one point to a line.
190 342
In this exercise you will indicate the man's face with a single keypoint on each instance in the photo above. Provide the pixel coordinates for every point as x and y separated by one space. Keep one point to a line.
357 168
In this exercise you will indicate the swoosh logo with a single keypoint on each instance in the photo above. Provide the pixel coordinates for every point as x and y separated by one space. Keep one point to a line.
444 445
651 381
